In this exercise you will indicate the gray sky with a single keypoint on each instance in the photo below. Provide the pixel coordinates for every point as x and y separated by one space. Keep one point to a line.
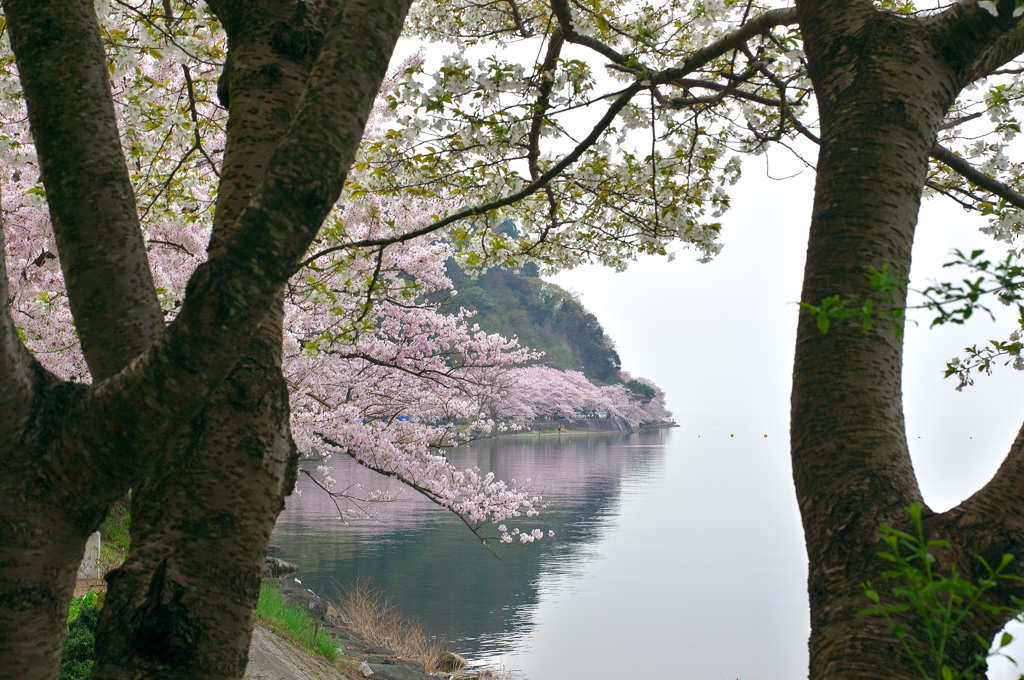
718 337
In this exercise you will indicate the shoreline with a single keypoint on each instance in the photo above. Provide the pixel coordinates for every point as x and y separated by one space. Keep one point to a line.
586 431
393 647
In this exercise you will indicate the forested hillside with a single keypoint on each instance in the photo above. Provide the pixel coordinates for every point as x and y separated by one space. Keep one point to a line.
542 315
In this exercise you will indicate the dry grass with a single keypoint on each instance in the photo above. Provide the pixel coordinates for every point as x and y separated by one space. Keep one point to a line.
373 616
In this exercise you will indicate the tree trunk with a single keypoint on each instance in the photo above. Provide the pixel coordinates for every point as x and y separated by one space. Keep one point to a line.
70 450
182 604
42 543
883 84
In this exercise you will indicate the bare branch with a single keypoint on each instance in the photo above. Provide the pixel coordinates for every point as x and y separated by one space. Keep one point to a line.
959 121
724 90
195 118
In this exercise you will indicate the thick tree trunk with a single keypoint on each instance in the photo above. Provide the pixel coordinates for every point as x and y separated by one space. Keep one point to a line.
181 606
70 450
43 539
883 84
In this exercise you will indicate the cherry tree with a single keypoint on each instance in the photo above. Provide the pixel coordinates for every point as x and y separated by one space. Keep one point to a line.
361 348
622 137
169 408
542 391
373 371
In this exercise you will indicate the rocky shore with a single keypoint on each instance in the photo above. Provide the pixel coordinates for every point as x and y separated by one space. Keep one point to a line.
272 657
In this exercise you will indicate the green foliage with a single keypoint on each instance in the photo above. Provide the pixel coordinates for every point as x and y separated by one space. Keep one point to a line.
117 526
836 309
931 609
640 389
80 643
543 316
294 623
957 302
115 534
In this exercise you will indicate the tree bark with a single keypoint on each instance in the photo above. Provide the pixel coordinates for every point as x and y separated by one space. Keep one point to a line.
69 450
883 85
90 196
185 596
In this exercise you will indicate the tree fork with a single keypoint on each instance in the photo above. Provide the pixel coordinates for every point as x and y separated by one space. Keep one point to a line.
140 408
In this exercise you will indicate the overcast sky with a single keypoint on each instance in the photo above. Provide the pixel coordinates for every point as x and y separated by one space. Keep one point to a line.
718 337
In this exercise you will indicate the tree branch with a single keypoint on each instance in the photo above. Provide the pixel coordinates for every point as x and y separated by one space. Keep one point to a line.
546 73
727 43
974 42
613 110
564 15
227 298
976 177
63 71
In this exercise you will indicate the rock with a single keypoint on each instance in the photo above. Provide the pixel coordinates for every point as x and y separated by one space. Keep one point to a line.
391 660
274 549
365 669
271 657
451 662
389 672
276 568
302 597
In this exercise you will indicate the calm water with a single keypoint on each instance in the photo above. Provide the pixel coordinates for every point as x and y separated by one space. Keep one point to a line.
677 554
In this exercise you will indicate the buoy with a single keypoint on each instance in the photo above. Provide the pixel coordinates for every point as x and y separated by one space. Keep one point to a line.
766 435
732 435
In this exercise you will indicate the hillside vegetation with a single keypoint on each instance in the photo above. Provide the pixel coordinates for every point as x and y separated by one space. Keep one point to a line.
542 315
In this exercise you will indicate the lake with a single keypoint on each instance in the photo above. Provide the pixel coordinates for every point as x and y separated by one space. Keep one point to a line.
677 553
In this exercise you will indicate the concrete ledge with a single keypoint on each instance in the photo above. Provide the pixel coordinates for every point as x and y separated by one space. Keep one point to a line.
90 566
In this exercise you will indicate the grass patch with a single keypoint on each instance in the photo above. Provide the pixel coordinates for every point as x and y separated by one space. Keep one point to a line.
294 623
115 535
374 617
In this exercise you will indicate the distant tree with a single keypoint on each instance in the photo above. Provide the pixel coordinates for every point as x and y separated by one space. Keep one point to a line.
542 391
540 314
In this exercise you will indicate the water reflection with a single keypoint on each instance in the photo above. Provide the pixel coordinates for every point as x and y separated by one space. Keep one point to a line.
675 552
430 564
